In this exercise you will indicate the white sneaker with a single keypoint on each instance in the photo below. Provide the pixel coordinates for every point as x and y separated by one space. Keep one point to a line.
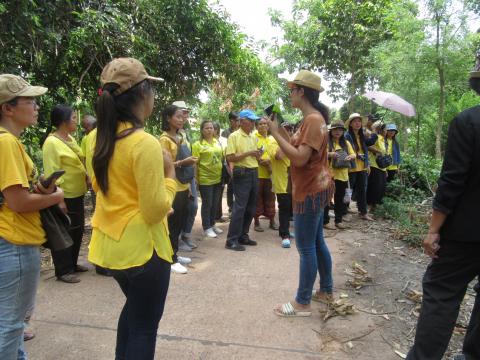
217 230
179 268
184 260
210 233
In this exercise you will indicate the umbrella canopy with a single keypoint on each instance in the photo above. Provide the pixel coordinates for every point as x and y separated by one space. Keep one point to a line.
392 102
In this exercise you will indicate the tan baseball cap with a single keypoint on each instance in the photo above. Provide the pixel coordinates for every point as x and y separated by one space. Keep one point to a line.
12 86
126 72
308 79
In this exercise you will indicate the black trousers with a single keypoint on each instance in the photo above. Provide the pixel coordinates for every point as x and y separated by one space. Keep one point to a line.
391 175
358 182
210 197
230 195
284 214
177 220
340 207
245 190
444 285
145 288
377 183
65 260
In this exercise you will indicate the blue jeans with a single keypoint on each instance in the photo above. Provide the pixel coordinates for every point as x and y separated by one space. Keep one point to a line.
19 275
210 198
192 209
313 251
145 288
245 190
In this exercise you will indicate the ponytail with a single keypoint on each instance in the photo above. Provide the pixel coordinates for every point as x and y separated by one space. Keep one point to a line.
111 111
312 97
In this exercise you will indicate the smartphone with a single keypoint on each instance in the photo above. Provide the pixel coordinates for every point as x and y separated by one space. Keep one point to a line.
269 110
53 177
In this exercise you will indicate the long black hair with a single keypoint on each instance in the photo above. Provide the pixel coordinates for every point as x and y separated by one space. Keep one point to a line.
312 97
60 114
112 110
167 113
361 135
341 141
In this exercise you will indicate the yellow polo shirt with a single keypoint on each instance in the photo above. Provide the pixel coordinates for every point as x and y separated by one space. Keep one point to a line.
379 145
16 168
58 155
360 164
90 141
209 166
169 145
264 141
130 221
341 174
240 142
279 169
390 152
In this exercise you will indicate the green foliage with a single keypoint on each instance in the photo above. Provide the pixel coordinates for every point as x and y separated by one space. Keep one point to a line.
408 199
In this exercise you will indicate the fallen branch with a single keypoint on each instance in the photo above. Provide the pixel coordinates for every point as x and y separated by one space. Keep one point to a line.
360 336
373 313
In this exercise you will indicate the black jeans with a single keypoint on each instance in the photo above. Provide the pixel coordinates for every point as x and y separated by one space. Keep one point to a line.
177 220
284 214
340 207
444 285
65 260
391 175
245 192
210 197
358 182
145 288
230 195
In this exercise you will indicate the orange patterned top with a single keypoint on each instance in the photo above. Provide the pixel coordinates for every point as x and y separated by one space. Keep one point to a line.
314 178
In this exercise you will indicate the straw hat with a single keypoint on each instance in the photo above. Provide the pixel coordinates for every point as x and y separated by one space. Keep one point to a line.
308 79
337 124
354 116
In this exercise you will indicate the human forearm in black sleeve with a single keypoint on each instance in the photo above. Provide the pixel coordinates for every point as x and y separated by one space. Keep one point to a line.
456 165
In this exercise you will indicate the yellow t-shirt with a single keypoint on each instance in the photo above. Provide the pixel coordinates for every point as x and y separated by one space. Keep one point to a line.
380 146
58 155
360 164
90 141
264 141
209 166
130 222
390 152
170 145
342 173
16 168
240 142
279 169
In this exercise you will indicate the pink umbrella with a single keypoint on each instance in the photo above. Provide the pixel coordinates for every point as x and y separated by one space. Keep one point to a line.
392 102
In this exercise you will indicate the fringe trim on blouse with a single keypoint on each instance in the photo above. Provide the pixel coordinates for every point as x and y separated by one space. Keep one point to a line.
319 200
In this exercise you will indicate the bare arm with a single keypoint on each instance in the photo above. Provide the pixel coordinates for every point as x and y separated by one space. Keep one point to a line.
298 156
430 243
20 200
239 157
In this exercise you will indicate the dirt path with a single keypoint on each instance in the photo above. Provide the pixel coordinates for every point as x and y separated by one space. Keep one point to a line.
222 309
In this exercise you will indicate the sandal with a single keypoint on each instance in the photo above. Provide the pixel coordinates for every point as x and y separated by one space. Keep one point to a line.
322 297
287 310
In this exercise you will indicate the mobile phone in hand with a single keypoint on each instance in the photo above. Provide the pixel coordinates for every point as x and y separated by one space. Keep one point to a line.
53 177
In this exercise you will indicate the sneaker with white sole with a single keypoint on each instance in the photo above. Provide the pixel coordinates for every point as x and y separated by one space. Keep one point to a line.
184 260
217 230
179 268
286 243
183 246
210 233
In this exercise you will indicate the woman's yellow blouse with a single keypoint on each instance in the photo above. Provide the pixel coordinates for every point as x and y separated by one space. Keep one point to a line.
130 221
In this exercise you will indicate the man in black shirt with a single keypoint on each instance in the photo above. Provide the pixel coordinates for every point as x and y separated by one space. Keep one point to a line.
453 241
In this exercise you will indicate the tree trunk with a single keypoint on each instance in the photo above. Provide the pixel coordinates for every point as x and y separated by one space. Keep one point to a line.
440 63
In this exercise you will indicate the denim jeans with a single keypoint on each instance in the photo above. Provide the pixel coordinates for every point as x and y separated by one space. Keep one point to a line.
210 197
19 275
192 209
245 192
314 254
145 288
